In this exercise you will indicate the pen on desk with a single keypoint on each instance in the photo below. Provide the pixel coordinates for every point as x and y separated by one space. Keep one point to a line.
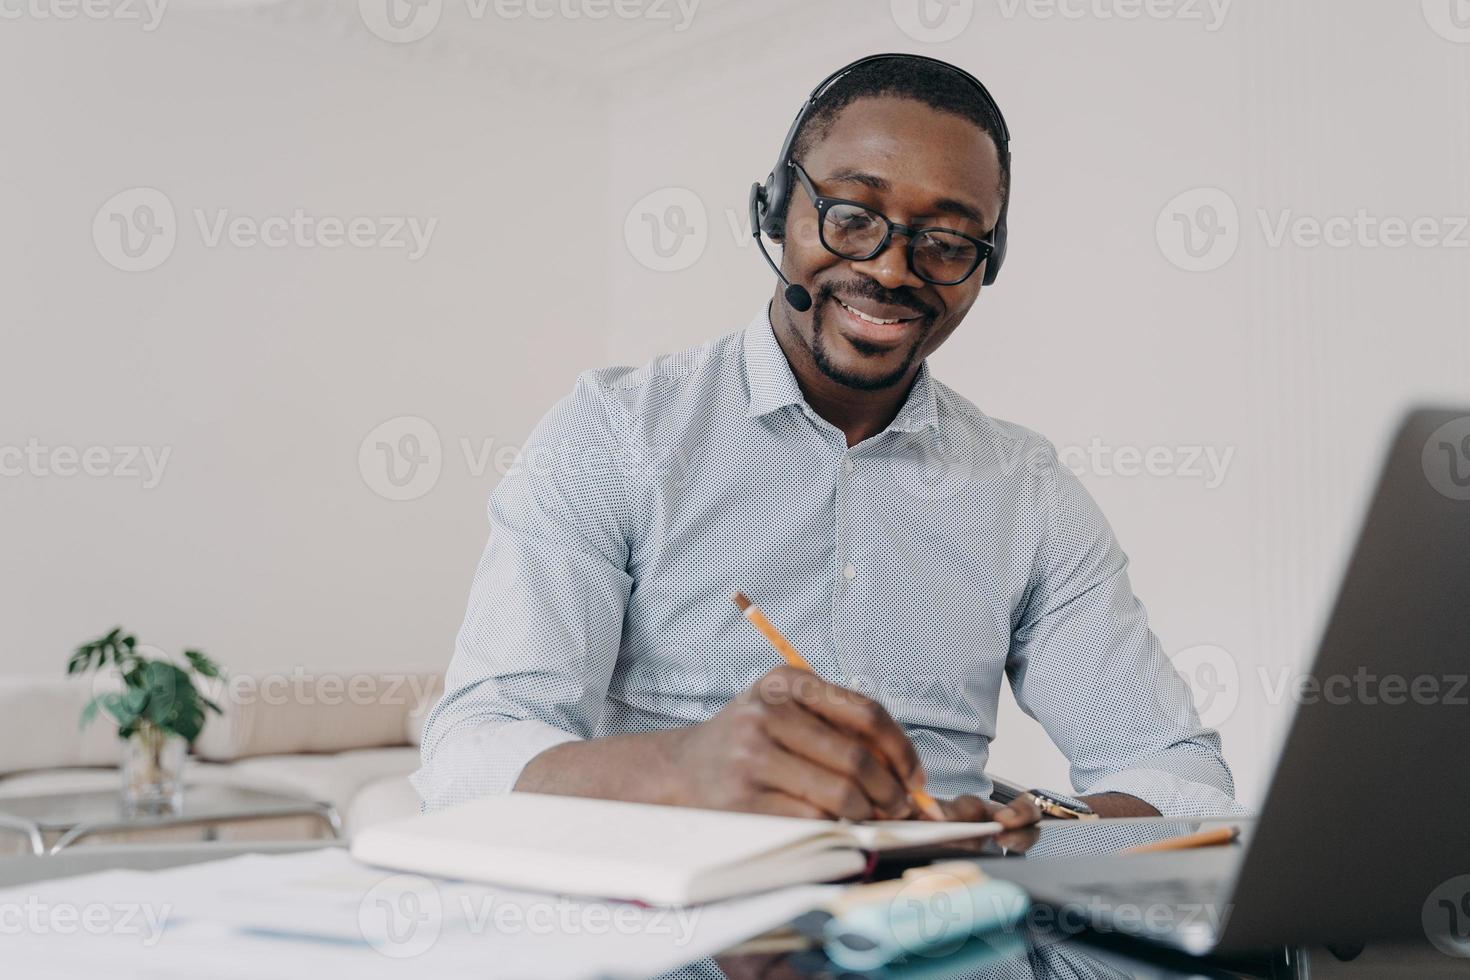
783 646
1205 838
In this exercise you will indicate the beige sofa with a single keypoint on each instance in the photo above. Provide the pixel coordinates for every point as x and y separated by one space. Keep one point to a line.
348 739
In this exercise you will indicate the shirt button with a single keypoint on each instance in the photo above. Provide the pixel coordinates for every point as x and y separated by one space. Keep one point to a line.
849 572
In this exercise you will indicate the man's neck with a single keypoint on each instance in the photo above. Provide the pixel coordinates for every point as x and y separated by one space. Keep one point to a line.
858 413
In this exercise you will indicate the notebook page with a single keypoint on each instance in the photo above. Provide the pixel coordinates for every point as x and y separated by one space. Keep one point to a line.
584 846
878 835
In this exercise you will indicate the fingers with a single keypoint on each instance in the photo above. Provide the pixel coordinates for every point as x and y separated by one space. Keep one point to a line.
966 809
845 709
836 796
804 734
781 805
1020 812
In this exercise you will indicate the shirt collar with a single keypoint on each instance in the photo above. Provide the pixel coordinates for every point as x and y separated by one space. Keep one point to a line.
772 385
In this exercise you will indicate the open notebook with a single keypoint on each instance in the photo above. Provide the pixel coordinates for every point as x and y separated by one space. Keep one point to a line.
666 855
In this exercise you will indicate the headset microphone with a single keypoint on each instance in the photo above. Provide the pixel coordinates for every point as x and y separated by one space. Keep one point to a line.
796 295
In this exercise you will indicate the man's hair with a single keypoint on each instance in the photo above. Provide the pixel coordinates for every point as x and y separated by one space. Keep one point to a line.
933 85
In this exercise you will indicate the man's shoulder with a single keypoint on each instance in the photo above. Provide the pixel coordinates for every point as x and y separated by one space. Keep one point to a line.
986 432
664 383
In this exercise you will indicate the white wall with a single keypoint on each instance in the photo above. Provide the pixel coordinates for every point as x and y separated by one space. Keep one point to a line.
264 370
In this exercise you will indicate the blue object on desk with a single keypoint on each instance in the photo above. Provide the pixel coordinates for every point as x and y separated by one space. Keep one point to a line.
921 915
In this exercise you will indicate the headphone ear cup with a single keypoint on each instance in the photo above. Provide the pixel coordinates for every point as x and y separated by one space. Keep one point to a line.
997 253
773 196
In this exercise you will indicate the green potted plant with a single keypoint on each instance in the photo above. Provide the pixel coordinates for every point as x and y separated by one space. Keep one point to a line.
158 712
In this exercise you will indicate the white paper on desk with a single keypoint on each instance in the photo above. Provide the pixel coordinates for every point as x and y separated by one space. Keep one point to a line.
320 913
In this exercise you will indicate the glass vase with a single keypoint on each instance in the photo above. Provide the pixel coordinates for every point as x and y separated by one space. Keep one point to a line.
153 773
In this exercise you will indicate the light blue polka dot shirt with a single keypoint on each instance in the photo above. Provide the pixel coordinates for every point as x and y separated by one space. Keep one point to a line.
924 566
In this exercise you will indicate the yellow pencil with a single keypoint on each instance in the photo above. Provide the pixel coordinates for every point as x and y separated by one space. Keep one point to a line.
783 646
1205 838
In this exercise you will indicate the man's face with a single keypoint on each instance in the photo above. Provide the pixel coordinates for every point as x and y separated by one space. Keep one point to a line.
919 167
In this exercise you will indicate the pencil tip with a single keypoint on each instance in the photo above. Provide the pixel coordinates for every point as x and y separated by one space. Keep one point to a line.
741 601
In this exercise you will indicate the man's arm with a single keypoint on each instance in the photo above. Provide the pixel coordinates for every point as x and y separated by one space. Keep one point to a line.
1085 664
540 638
535 656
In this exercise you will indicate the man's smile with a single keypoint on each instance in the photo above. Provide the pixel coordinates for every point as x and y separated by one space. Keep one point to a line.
876 324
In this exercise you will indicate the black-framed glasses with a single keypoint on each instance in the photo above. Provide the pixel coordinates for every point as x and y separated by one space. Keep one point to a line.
854 231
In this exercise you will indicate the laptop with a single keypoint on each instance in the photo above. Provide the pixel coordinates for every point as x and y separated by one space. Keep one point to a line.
1368 812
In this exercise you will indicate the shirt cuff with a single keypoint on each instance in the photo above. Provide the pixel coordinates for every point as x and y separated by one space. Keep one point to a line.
482 760
1167 793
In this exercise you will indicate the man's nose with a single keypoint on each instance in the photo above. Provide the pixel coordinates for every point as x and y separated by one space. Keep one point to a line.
890 267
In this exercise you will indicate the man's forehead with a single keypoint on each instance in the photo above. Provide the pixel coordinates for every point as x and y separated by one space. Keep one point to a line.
896 145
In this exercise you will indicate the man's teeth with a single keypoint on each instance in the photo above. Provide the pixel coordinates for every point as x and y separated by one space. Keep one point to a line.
863 316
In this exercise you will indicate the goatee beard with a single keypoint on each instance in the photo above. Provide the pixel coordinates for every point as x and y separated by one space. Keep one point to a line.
860 382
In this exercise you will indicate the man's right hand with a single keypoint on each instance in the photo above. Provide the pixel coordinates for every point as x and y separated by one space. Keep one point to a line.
796 745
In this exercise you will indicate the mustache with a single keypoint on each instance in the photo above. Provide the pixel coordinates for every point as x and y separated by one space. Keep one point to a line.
868 289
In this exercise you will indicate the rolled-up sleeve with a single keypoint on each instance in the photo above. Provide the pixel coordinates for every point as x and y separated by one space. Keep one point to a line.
1084 663
534 657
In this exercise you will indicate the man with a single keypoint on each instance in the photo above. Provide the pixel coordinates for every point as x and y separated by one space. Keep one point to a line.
914 550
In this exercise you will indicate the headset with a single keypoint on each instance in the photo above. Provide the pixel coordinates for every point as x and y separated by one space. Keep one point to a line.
768 202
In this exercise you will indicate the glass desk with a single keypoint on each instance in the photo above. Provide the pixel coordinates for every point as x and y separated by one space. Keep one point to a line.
55 821
1042 953
1049 944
